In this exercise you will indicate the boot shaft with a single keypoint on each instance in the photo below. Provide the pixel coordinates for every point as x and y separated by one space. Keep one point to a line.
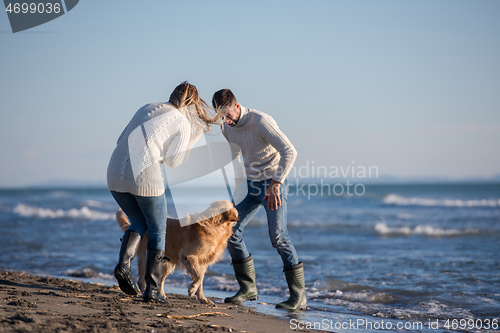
245 271
153 275
123 271
129 247
294 276
154 267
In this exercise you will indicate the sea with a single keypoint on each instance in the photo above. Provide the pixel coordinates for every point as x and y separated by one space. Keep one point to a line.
414 257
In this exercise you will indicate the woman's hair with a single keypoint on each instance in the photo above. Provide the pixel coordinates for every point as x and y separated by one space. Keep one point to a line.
200 116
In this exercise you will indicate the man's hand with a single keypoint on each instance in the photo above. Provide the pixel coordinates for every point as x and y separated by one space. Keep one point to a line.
273 195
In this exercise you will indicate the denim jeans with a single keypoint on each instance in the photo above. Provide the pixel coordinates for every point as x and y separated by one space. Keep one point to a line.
145 214
276 221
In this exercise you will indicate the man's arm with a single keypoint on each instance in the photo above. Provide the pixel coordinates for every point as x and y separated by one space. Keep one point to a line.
276 138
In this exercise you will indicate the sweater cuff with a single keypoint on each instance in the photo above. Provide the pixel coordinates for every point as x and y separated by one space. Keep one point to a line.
279 179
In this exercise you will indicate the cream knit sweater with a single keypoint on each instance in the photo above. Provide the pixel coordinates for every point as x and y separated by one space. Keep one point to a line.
267 152
158 133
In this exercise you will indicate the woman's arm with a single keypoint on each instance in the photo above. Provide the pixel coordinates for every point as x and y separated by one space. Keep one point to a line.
177 147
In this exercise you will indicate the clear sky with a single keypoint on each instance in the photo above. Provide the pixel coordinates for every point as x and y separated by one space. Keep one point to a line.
412 87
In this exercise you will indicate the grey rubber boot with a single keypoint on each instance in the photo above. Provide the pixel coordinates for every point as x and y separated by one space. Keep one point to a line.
245 275
123 272
296 285
154 271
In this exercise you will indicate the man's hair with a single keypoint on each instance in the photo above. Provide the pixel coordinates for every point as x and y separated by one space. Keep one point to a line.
223 98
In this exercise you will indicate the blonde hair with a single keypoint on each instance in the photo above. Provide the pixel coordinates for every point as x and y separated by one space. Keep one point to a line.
200 117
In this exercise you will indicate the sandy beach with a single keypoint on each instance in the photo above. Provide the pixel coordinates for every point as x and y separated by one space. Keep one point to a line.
45 304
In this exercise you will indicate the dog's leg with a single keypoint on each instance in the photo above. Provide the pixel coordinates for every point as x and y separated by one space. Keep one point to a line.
168 268
190 264
197 273
199 292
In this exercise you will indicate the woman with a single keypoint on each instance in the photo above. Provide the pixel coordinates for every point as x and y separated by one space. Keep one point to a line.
158 133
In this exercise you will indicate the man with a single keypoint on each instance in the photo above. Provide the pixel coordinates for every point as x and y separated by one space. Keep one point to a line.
268 157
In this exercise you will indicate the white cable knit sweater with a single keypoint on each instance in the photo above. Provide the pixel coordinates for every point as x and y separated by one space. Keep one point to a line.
267 152
158 133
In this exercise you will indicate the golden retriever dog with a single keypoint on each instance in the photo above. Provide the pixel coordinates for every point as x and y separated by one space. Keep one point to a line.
193 247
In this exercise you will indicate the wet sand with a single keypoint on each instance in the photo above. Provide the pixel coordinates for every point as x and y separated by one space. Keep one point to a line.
44 304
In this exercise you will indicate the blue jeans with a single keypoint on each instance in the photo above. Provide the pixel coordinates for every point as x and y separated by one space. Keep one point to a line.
276 221
145 214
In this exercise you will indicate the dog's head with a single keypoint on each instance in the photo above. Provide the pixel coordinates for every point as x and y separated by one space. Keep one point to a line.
230 216
219 213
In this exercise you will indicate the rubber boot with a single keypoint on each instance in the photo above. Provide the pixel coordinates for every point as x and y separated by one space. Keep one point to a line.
245 275
296 285
154 271
123 272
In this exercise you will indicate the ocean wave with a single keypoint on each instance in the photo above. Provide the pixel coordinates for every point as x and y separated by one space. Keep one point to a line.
383 229
93 203
82 213
378 304
59 194
394 199
432 310
405 216
429 310
329 289
218 282
351 296
87 273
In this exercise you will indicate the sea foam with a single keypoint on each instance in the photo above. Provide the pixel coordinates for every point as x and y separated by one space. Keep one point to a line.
427 230
46 213
394 199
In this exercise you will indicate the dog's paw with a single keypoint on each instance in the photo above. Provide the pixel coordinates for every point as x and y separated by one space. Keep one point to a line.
205 300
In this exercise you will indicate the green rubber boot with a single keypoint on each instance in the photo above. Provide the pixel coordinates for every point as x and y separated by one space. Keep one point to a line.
245 275
296 284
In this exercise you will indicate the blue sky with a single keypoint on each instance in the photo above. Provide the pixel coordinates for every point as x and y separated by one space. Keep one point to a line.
411 87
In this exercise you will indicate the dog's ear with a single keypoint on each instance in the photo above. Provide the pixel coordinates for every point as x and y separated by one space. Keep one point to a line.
232 215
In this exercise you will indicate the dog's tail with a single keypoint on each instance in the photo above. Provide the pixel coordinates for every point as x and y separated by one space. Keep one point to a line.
122 220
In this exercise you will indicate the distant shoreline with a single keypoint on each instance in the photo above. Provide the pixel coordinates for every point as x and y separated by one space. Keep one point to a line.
382 181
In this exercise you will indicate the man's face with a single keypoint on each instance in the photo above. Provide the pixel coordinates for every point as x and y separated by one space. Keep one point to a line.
232 114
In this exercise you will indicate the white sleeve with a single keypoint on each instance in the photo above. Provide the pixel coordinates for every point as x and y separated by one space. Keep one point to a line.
177 147
121 135
276 138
